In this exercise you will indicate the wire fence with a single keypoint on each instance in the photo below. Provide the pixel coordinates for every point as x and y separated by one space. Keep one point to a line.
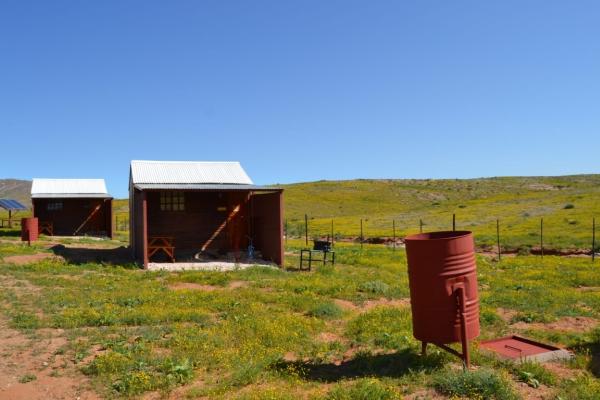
493 237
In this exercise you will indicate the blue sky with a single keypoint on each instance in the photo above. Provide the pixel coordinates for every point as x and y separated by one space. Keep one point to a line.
300 90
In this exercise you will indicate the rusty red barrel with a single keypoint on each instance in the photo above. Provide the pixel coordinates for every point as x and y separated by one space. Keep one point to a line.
29 229
440 266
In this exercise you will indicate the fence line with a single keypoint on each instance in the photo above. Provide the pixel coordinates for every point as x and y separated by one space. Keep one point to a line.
393 235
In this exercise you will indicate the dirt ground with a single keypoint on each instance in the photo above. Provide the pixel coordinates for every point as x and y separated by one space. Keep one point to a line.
34 368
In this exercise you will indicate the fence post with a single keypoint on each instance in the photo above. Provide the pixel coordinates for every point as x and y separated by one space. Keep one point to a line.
286 231
498 239
394 234
420 225
542 236
593 239
361 234
453 222
332 239
306 229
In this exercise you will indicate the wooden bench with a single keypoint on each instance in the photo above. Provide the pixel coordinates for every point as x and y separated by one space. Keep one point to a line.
161 243
46 226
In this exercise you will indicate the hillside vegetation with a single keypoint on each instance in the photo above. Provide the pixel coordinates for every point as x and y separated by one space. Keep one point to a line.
566 203
16 189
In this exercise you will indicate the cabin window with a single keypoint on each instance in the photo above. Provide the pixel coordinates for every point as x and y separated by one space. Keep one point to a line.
172 201
55 206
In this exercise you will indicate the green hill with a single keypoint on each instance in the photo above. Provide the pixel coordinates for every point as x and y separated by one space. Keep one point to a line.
16 189
566 203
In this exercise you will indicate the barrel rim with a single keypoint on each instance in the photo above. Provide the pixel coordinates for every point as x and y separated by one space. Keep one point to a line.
440 236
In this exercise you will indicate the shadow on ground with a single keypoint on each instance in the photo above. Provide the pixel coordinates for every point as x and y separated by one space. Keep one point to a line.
591 347
383 365
9 233
82 255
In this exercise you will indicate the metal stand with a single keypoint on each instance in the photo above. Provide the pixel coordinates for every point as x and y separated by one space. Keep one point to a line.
461 302
308 256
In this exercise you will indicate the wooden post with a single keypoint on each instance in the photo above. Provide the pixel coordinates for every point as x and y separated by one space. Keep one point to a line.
145 229
542 236
593 239
332 239
421 226
498 239
361 234
394 234
306 229
10 219
453 222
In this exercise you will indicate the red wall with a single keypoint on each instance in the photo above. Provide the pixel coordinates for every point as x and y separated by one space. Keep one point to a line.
196 226
73 213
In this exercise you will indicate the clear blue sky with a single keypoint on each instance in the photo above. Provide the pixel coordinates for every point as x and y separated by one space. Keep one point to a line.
300 90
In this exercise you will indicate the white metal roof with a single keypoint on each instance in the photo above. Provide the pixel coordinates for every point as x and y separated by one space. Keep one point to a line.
68 188
188 172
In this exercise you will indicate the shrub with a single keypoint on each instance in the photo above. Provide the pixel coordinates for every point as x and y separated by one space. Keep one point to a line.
375 287
569 206
27 378
530 317
479 384
533 374
326 310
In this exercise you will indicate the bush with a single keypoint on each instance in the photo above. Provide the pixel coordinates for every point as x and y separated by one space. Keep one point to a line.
27 378
533 374
326 310
569 206
375 287
479 384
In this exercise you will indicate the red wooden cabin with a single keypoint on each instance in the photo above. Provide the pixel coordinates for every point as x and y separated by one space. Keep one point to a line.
72 207
202 210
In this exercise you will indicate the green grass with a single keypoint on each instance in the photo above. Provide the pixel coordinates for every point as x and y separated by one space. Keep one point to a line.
291 334
566 203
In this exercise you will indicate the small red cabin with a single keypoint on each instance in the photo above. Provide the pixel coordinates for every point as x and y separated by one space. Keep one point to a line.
202 211
72 207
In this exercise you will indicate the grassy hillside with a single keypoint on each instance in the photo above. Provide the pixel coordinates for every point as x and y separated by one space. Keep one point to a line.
16 189
566 203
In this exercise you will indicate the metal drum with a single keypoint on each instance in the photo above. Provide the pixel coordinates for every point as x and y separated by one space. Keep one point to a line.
443 287
29 229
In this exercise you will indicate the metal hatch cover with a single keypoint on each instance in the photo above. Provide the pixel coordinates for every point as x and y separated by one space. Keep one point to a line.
523 349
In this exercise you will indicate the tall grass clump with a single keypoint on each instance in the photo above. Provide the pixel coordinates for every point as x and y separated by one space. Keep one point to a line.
482 384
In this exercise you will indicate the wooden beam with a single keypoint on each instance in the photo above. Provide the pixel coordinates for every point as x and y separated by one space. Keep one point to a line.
94 211
145 229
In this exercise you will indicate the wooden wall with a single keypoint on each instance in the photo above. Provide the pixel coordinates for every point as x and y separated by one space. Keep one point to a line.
210 222
204 222
73 213
267 209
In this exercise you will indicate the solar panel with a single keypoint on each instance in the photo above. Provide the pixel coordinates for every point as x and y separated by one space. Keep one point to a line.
12 205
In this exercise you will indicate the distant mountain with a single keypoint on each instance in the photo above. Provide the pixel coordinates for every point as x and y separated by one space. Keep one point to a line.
16 189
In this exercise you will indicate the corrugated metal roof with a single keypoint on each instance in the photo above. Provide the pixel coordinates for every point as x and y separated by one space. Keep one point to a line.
68 188
194 172
203 186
